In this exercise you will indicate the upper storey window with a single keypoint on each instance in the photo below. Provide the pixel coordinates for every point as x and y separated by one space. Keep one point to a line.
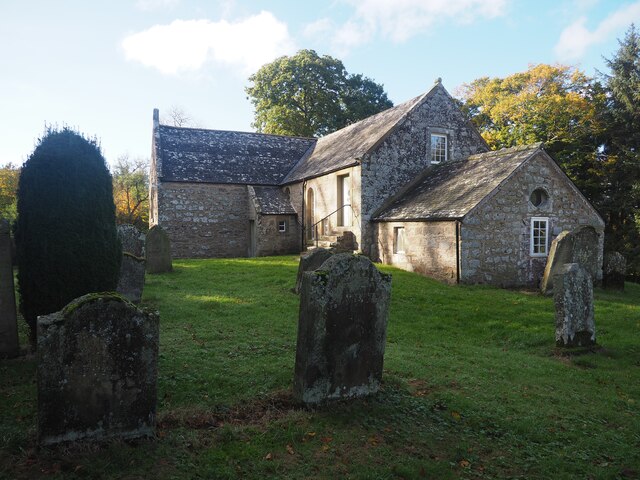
438 148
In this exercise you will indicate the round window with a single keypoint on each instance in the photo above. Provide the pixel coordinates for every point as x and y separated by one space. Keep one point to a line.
538 197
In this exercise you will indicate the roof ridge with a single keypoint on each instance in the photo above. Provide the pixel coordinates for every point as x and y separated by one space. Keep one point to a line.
507 150
238 131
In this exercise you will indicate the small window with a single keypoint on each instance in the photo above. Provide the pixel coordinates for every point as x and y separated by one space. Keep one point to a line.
438 148
282 226
398 240
538 197
539 236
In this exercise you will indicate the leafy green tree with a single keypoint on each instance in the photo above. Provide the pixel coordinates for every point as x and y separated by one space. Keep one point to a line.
9 175
131 192
66 238
621 192
308 95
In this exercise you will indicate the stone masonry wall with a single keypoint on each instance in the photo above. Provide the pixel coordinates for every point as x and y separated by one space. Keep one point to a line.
270 241
325 190
205 220
405 153
495 238
430 248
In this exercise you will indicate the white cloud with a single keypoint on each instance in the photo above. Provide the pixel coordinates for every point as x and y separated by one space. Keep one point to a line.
185 45
577 38
401 19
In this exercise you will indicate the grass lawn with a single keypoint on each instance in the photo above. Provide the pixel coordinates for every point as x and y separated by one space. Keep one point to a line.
473 388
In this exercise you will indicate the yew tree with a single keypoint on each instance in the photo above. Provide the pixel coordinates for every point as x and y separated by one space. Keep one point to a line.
66 239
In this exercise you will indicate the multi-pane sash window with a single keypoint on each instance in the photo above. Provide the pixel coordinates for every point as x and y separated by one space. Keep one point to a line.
282 226
539 236
398 240
438 148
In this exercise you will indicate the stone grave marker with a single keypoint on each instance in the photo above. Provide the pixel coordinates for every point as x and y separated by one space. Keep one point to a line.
158 251
133 240
9 346
132 269
311 261
97 370
577 246
614 271
342 328
346 242
573 298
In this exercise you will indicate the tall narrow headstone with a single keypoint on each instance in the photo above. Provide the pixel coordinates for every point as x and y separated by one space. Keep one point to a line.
158 251
132 269
342 329
310 261
614 271
577 246
573 298
9 346
97 370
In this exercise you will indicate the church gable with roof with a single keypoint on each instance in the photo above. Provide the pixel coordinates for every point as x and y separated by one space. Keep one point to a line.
415 185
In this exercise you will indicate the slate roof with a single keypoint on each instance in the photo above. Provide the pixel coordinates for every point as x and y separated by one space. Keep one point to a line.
346 147
451 189
217 156
271 201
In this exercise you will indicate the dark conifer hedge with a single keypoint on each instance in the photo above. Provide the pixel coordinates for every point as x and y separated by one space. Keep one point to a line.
66 239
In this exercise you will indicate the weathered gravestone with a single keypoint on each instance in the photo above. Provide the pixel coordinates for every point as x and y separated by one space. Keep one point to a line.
133 240
97 370
131 280
311 261
346 242
573 298
614 271
158 251
577 246
342 328
9 346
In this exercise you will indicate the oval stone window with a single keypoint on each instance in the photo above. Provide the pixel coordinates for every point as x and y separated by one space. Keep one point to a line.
538 197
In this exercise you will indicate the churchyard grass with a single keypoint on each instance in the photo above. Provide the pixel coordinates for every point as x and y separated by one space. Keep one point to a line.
473 387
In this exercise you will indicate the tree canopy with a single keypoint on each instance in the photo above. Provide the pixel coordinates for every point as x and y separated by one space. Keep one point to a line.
9 175
131 192
66 239
309 95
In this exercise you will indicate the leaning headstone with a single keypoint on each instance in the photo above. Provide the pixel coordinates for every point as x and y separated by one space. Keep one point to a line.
577 246
132 240
131 281
614 271
311 261
97 370
342 329
158 251
573 298
9 346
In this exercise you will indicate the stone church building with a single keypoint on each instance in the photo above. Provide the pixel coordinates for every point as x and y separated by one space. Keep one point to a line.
415 184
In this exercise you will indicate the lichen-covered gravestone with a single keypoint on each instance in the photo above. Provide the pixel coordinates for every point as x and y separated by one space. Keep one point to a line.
97 370
577 246
346 242
344 308
309 262
158 251
132 269
9 346
614 271
573 298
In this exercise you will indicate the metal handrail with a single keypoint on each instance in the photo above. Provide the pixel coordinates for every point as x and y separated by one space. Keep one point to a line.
315 225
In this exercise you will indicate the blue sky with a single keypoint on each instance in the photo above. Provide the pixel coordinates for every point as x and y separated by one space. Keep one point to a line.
102 67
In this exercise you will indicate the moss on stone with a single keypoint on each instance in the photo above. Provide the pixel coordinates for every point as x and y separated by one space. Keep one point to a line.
91 297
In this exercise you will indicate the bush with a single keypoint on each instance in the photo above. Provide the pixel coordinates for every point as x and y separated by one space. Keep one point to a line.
66 239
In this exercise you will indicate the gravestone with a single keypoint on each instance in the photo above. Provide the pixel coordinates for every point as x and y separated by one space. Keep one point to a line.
342 328
346 242
133 240
9 346
614 271
158 251
131 280
311 261
573 298
97 370
577 246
